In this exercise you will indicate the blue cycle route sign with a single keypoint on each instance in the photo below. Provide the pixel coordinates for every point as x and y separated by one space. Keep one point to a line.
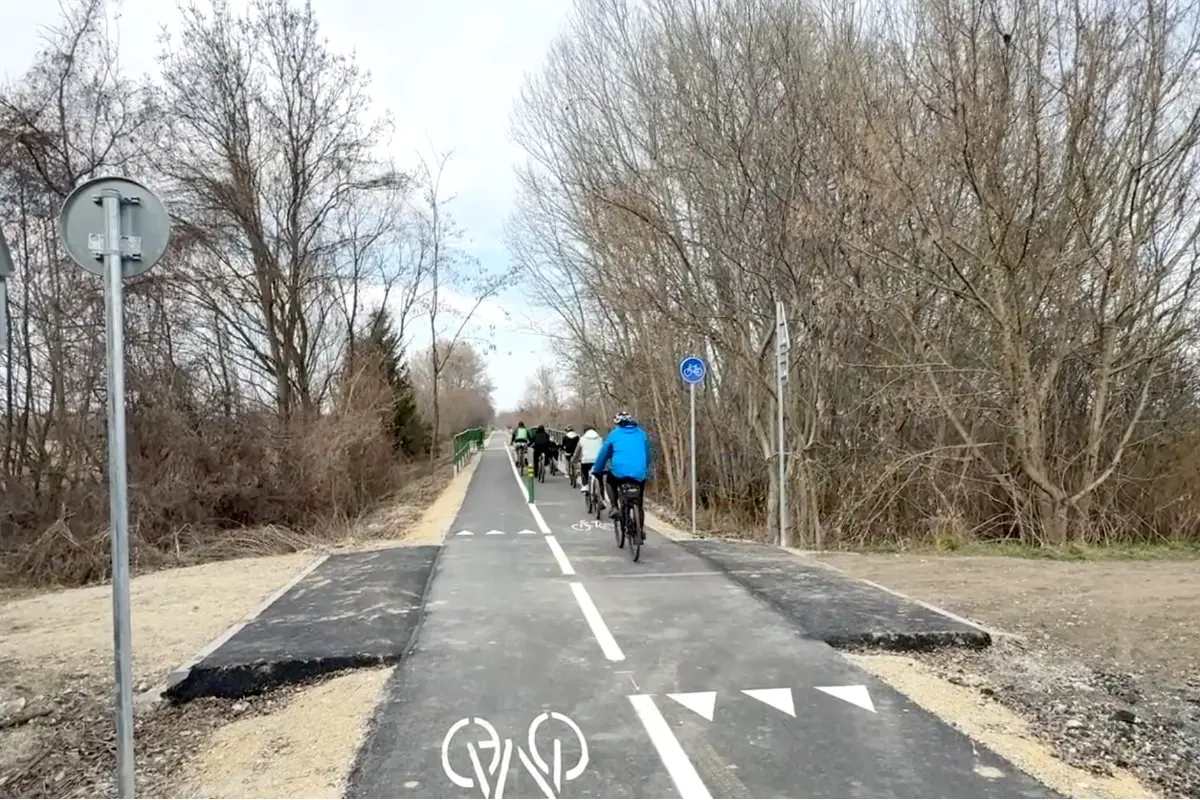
692 369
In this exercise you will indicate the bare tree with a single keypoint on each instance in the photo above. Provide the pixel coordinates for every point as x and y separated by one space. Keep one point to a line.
246 404
989 282
450 269
272 150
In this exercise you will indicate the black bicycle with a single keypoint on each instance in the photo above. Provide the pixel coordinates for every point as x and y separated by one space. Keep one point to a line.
540 468
591 497
573 472
520 461
628 524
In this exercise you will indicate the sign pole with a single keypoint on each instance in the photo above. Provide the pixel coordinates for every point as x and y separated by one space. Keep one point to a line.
4 320
692 398
6 271
116 228
692 370
780 445
118 486
782 346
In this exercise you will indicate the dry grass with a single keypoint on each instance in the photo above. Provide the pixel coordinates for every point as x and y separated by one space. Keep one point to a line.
1104 673
435 521
1139 615
56 662
206 488
68 634
304 748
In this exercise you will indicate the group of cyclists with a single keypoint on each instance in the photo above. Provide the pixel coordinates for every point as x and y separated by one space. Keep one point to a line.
621 457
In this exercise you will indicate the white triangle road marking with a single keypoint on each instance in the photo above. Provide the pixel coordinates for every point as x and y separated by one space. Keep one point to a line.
703 703
776 698
494 532
464 533
856 694
525 532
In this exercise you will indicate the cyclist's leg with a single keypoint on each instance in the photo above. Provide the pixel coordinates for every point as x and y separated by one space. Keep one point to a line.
612 484
585 472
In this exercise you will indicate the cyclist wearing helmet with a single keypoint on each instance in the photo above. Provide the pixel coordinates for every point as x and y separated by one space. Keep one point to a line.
589 447
626 455
570 442
520 441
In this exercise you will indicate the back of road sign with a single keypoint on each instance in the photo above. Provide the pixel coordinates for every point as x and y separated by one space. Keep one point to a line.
145 226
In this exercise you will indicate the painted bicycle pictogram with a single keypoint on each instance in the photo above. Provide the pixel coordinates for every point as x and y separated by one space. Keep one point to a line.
549 775
591 524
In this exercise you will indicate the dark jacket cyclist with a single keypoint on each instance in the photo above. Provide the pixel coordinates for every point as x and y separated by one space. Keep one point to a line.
541 445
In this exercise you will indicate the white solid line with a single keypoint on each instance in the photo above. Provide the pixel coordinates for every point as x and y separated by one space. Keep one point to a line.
537 516
607 643
687 780
560 556
516 476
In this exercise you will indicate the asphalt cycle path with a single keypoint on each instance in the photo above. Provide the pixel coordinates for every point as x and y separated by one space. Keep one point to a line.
551 665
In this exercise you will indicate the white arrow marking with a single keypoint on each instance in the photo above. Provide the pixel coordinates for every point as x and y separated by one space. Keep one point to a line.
522 533
464 533
776 698
856 694
703 703
494 532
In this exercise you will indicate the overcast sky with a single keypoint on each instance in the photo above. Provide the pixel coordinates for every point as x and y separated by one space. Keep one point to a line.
449 72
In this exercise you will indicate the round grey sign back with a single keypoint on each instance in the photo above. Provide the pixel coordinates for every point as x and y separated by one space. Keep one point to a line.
145 225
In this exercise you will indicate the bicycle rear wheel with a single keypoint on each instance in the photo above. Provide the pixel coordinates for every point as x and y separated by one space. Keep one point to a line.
634 536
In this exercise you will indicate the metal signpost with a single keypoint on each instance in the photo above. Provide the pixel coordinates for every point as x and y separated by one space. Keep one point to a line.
116 228
782 347
692 370
6 271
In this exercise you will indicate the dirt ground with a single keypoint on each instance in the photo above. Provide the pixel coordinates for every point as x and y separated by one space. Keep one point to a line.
56 710
1105 664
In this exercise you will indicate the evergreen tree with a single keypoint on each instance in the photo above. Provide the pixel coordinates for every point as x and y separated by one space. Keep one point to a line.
410 435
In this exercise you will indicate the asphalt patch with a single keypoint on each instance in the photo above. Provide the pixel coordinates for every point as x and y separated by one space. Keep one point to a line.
834 608
354 610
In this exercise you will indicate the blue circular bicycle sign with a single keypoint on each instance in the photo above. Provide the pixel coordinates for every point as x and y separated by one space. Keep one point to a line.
692 369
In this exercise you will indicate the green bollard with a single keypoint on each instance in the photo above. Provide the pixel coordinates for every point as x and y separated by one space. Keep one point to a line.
529 481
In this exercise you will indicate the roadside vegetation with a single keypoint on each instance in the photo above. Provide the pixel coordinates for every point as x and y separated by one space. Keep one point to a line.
981 219
274 392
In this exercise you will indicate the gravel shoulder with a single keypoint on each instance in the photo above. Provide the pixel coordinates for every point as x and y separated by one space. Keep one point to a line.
1103 665
56 709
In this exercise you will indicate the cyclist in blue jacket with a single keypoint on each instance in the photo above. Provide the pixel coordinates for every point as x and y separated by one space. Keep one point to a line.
625 455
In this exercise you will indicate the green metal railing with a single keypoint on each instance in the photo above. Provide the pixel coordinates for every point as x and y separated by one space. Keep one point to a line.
465 443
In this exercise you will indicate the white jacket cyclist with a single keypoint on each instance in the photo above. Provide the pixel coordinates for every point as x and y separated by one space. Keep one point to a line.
589 446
